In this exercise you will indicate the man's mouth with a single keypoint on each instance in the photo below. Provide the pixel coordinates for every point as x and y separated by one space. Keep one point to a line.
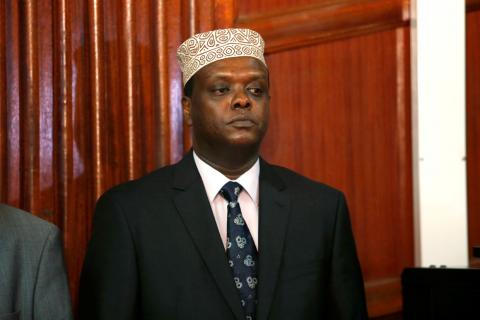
245 123
241 122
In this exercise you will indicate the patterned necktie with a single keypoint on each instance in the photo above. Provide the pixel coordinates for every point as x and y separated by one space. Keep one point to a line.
241 251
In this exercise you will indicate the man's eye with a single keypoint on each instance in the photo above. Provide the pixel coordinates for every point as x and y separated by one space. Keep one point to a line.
220 90
255 91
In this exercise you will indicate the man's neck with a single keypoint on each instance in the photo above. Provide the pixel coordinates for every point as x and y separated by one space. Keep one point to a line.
231 167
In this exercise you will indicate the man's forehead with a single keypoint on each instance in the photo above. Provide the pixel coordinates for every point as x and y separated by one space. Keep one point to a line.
247 64
234 67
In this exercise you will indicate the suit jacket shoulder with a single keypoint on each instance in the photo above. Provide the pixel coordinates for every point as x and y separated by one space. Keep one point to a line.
15 219
154 187
33 279
152 192
299 185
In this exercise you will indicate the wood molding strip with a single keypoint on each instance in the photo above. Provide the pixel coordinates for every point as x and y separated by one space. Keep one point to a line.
63 136
384 296
473 5
13 59
128 85
174 82
326 22
162 70
3 105
29 108
97 79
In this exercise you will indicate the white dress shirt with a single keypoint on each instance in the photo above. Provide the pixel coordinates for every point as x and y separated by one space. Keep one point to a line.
214 180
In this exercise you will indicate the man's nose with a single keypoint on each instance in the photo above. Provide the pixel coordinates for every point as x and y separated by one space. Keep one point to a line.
241 100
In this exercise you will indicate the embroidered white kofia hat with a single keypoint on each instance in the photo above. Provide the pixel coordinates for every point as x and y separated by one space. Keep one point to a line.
204 48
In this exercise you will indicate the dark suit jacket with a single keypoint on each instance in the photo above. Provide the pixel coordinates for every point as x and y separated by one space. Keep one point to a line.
156 252
33 281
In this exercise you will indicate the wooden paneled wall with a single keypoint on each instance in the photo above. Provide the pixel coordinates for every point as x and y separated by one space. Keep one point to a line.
90 97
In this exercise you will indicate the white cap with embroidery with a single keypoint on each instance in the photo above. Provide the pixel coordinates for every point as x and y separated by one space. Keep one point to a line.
204 48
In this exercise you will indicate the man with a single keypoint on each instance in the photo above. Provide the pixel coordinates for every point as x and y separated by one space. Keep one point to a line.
33 281
222 234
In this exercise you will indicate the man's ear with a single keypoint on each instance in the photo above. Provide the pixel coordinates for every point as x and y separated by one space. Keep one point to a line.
187 107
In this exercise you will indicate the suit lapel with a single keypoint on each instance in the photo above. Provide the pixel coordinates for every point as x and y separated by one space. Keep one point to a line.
273 220
194 208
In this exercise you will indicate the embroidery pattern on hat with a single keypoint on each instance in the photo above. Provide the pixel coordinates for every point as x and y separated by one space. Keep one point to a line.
204 48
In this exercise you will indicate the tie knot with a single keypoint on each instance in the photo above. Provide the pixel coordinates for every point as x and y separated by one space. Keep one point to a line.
230 191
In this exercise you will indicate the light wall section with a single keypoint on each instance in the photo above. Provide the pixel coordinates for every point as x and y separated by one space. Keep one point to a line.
438 46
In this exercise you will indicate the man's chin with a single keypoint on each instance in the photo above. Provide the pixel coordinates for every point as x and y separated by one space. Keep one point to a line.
244 141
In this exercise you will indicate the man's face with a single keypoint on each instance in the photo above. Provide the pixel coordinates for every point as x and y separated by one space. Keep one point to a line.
229 105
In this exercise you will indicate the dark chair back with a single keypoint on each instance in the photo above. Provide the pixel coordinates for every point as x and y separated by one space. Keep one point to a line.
441 293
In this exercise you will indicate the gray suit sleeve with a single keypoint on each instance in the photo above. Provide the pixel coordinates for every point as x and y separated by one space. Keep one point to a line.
51 294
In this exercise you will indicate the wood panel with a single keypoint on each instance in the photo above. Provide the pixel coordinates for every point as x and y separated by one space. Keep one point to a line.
473 130
3 104
472 5
254 6
324 21
11 108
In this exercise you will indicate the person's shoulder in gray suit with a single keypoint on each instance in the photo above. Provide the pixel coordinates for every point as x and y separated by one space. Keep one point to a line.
33 281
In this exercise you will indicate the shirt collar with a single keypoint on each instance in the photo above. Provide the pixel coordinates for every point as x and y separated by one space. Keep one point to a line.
214 180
